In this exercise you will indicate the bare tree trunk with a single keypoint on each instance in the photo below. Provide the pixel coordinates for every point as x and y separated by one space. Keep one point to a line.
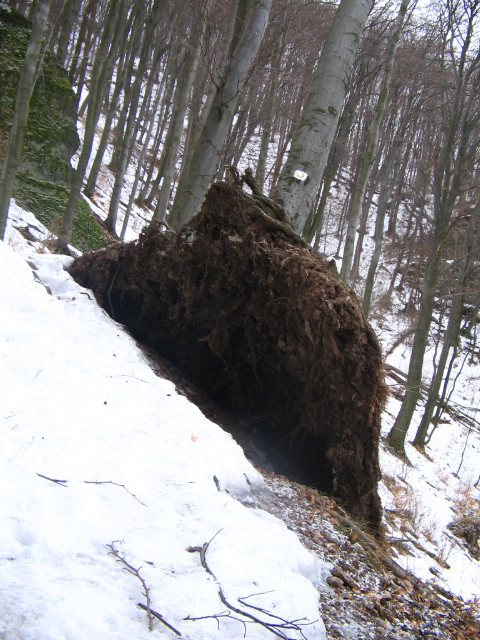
97 162
141 161
312 141
454 321
271 102
152 21
337 151
368 157
383 202
447 179
25 88
194 183
104 58
180 105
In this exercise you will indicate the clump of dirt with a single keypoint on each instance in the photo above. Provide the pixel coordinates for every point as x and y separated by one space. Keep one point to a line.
266 328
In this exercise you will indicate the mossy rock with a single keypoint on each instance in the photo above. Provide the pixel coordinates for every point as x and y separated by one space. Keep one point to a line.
51 139
48 200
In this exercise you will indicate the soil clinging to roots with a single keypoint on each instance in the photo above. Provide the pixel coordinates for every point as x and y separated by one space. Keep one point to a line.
266 328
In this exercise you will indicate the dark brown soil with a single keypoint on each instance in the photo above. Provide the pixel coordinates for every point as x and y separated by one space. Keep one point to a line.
267 329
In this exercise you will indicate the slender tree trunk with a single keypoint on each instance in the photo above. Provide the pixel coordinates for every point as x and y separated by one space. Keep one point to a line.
152 21
448 175
337 151
368 157
375 178
453 326
271 102
193 184
65 33
312 141
25 88
124 68
180 105
82 40
383 203
104 57
140 164
151 186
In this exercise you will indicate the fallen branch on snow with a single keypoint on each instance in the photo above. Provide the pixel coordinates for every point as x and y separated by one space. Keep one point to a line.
146 591
277 625
63 483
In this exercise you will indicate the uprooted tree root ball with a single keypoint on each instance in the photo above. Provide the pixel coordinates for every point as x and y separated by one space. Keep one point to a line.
265 327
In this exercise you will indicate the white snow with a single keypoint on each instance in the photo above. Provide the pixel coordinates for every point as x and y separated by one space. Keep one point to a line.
139 466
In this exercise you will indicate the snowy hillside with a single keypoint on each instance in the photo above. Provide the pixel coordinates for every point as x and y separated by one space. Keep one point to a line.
101 457
98 453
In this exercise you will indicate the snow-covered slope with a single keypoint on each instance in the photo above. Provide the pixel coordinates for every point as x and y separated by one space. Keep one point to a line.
100 455
98 451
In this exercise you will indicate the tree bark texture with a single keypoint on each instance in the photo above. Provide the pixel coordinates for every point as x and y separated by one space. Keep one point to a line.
311 144
368 157
194 183
152 21
453 327
102 63
180 105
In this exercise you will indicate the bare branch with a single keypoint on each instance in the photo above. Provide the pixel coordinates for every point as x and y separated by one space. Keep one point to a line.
62 483
116 484
146 591
278 629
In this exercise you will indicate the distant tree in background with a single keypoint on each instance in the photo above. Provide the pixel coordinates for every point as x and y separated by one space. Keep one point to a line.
371 147
455 146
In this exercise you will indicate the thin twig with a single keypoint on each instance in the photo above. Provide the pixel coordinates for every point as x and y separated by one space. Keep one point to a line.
217 616
62 483
274 627
116 484
146 591
159 617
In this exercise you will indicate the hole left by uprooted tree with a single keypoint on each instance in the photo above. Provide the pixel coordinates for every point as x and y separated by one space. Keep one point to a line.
265 327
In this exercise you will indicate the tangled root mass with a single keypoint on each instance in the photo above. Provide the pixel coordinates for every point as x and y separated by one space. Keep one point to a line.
265 327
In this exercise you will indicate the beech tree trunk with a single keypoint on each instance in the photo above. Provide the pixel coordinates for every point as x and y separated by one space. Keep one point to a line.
194 181
25 88
452 150
152 21
312 141
106 52
368 157
271 102
454 321
180 105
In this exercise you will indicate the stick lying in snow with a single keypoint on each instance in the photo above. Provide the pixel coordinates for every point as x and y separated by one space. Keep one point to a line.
278 626
159 617
146 592
116 484
63 483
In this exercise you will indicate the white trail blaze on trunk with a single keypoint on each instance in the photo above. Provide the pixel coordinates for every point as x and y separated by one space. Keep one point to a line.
313 139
